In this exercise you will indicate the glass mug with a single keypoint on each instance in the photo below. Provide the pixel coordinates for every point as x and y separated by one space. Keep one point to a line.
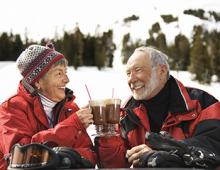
106 115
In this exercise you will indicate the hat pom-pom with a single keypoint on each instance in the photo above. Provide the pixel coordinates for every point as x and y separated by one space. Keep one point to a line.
50 45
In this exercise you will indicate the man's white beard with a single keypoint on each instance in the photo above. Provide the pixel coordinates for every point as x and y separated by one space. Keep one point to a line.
149 87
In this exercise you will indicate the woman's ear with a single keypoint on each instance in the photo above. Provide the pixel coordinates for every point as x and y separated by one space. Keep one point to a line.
37 85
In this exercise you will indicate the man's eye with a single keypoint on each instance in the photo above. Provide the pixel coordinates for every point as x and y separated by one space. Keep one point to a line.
138 70
128 73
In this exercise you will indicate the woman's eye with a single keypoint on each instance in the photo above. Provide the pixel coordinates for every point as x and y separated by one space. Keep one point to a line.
59 74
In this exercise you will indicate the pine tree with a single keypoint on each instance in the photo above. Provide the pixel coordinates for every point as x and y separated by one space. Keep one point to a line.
99 53
200 62
17 47
213 49
5 47
89 51
77 46
126 48
181 53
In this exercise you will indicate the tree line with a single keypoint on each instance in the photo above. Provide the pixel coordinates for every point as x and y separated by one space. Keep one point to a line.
200 54
79 49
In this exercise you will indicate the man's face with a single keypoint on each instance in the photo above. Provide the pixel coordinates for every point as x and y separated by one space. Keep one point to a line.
52 84
142 79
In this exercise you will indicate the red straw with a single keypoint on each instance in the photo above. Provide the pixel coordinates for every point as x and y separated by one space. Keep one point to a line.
88 92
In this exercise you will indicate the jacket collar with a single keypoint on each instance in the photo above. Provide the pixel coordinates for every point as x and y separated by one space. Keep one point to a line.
179 100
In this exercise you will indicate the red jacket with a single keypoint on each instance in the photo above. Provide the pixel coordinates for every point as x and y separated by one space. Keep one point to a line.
193 116
23 120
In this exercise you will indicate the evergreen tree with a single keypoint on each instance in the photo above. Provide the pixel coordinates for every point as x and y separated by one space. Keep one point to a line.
157 38
58 45
213 49
200 62
181 53
17 47
99 53
5 47
109 47
169 18
77 46
89 51
153 32
126 49
161 42
67 48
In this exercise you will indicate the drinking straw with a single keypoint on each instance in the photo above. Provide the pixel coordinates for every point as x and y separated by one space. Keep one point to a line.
88 92
113 92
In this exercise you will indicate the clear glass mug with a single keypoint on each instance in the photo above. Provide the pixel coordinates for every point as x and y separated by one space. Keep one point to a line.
112 113
99 118
106 115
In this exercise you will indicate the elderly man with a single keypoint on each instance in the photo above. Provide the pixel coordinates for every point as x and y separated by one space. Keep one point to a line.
43 110
164 123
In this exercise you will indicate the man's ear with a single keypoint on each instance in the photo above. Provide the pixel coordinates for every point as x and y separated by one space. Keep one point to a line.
162 69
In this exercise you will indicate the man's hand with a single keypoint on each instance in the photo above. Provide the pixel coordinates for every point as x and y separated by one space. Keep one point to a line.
85 116
133 155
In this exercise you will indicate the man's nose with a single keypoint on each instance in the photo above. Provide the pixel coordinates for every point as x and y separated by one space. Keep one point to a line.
132 77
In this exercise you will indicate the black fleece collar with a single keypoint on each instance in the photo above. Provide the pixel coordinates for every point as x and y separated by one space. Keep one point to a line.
175 101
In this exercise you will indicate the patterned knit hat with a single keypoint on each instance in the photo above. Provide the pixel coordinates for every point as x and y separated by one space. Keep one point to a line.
36 60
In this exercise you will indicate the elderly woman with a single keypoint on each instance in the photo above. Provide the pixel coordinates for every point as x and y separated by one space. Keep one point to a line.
43 110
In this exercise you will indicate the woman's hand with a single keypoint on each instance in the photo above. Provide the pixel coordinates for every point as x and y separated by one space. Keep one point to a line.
85 116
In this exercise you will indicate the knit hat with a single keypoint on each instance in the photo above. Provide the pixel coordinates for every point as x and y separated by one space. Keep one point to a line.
36 60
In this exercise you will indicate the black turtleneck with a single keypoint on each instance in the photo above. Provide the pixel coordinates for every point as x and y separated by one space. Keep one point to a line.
157 108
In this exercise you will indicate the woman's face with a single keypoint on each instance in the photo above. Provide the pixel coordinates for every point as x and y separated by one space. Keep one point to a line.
52 84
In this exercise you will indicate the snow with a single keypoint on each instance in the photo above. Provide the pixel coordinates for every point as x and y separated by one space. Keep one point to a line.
101 84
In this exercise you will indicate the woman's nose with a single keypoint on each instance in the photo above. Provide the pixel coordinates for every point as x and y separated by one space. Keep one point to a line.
66 78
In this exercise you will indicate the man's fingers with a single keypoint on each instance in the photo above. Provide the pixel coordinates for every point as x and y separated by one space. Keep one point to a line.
136 149
136 152
135 162
133 157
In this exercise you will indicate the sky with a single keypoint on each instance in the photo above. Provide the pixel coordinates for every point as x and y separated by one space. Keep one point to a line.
45 18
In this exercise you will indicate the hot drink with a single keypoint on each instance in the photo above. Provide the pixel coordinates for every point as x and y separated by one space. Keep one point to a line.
105 116
98 111
112 110
98 115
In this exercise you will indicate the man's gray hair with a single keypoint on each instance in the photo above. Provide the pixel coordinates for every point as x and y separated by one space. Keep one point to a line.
157 57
